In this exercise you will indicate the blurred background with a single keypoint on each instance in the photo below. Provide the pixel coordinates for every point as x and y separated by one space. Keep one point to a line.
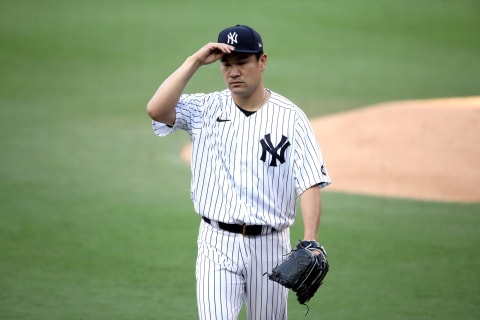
96 218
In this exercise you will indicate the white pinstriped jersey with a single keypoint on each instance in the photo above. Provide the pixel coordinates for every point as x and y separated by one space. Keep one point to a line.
248 169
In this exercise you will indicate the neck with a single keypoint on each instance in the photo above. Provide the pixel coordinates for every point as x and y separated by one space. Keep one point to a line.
253 102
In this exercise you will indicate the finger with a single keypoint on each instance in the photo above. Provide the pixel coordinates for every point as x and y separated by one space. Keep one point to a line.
225 48
220 51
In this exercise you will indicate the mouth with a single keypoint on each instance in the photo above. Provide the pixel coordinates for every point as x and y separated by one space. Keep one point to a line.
235 83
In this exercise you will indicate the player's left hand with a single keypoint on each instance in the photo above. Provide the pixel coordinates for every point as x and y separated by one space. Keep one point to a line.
303 270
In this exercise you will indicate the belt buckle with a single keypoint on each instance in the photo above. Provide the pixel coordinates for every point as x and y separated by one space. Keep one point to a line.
244 230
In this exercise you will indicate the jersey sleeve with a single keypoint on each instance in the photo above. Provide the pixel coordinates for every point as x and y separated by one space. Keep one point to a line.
310 168
188 113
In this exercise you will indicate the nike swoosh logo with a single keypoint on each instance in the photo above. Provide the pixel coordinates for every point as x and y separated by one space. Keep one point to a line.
222 120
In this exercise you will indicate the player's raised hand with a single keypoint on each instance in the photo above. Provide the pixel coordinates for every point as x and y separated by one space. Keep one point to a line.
212 52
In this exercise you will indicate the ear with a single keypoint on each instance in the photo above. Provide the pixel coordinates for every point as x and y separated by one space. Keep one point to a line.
263 62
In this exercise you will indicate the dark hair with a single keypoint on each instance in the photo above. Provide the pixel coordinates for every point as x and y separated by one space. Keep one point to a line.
257 55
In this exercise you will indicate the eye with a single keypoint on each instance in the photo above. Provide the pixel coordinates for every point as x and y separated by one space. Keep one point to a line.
241 62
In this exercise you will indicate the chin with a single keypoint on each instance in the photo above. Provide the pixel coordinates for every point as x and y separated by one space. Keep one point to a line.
238 90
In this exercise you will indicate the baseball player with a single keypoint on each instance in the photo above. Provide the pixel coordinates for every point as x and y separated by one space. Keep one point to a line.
253 153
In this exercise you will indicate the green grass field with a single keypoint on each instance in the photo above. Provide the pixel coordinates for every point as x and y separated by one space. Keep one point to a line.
96 219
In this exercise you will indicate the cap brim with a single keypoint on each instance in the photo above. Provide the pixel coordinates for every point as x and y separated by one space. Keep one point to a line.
247 51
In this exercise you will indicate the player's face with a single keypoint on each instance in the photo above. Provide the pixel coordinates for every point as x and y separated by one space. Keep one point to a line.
242 72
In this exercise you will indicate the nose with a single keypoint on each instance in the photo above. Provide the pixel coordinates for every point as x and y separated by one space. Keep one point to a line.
234 72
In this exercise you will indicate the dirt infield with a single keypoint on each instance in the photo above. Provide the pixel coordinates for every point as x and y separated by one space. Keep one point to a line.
422 149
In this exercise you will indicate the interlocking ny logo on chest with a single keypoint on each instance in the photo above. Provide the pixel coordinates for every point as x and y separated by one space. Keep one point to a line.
276 152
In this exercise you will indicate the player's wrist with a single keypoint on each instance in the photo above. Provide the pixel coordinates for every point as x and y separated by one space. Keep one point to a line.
310 239
310 243
193 62
314 246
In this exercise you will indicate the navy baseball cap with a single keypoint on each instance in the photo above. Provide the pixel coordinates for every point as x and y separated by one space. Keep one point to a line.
243 38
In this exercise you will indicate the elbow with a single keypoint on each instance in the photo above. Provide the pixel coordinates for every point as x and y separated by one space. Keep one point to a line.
154 111
160 114
151 111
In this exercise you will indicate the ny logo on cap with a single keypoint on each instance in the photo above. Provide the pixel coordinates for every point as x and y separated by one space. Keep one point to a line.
232 38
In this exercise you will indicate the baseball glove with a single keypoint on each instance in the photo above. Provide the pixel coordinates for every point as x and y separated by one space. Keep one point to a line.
303 270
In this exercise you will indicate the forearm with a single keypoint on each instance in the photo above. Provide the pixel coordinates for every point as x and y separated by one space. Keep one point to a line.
161 106
311 205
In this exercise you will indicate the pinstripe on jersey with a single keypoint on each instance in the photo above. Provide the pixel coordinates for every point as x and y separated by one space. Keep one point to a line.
238 173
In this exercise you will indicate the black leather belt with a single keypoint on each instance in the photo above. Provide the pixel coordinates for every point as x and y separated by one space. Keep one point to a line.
244 229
